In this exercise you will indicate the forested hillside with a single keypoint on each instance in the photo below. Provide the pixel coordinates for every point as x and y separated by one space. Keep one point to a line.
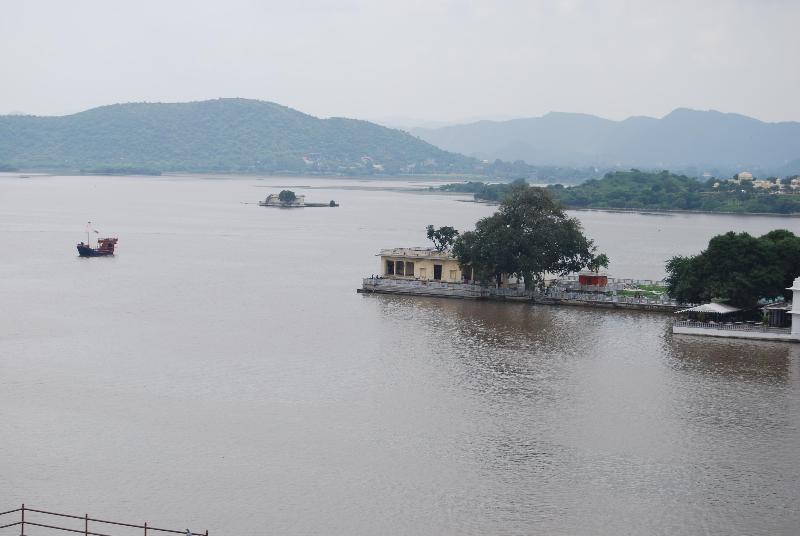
231 135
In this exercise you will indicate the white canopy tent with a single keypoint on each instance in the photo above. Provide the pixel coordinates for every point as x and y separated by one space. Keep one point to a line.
714 308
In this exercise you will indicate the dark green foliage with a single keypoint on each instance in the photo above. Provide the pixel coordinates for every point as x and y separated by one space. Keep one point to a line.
666 191
736 268
442 238
286 197
600 261
529 235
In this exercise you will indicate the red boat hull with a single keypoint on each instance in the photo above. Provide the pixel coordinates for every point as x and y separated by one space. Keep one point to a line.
105 248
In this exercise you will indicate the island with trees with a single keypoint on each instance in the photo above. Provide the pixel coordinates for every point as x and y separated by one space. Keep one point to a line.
529 236
288 199
528 250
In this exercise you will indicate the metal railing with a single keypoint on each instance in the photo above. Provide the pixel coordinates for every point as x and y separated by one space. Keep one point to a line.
22 522
728 326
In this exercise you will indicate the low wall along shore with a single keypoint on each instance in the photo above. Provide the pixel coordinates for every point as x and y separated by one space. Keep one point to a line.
734 331
470 291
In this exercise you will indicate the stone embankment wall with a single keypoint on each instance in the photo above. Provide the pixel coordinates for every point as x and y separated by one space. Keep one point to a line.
514 293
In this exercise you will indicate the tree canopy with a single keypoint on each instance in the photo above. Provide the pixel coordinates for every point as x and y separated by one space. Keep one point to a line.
286 197
528 236
736 268
443 238
600 261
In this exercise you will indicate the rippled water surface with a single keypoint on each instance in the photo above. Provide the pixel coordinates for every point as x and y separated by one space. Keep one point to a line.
221 372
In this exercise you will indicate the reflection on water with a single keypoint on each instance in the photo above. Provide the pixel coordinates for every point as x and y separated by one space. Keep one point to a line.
740 360
222 369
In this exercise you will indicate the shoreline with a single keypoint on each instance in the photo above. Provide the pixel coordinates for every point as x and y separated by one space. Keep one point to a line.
244 175
683 211
653 211
363 178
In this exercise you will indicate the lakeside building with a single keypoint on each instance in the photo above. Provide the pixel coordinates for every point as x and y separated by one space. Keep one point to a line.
423 264
593 279
774 329
778 315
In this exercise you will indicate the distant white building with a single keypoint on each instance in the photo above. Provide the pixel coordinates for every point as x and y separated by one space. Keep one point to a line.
744 176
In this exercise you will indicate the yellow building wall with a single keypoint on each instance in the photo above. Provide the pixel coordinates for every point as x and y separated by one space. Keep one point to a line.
423 268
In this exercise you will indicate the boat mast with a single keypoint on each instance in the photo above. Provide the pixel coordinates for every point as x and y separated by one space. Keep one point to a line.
88 230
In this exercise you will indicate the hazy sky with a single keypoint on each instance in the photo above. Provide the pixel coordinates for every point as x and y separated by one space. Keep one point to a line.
427 59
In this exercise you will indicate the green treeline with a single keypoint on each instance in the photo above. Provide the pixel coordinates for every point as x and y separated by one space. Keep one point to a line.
666 191
640 190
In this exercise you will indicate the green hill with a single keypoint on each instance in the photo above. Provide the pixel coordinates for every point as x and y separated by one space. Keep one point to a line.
230 135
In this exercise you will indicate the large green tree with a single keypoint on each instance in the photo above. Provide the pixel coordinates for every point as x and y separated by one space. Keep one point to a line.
443 238
528 236
736 268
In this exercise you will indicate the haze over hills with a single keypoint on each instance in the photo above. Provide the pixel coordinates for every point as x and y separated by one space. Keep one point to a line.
230 135
686 140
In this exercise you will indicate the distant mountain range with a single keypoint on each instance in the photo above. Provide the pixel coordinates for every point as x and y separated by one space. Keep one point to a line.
224 135
685 140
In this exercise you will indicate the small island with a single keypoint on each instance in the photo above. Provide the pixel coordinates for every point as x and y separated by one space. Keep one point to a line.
288 199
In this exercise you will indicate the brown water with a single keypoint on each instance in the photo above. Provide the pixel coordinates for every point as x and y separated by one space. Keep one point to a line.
221 372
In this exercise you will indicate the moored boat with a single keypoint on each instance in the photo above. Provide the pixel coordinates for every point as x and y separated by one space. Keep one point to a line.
105 246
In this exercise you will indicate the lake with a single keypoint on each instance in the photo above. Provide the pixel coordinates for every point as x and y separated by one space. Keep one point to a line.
221 373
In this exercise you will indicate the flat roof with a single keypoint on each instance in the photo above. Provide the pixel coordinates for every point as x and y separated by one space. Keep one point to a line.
416 253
